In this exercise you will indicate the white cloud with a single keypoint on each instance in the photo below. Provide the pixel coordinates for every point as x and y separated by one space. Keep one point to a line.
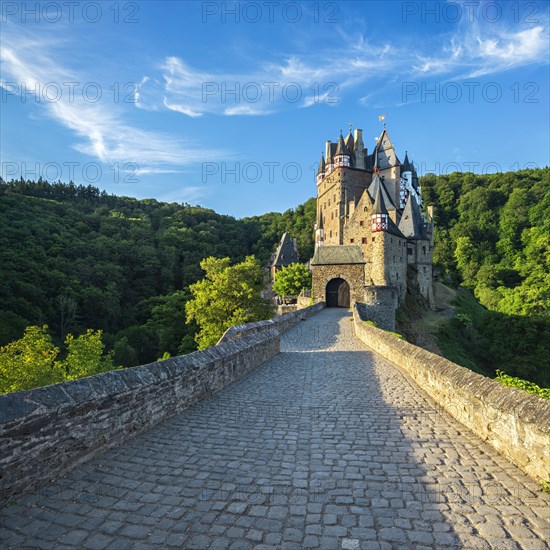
100 126
322 78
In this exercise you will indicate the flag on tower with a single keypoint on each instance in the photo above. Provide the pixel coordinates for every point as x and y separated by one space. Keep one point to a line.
381 117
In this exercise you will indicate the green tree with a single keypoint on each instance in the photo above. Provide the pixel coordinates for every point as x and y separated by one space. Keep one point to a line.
227 296
29 362
291 279
85 356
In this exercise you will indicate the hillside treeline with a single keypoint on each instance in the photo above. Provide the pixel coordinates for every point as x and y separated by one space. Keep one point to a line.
75 258
493 237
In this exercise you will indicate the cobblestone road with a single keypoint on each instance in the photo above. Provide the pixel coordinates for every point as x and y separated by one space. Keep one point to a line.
326 446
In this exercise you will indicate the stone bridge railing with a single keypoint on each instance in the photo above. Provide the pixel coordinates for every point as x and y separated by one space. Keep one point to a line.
47 431
515 423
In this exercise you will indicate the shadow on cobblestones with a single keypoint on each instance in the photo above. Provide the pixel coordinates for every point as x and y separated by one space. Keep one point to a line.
325 446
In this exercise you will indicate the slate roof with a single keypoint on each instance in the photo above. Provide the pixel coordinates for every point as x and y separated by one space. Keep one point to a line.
341 148
412 225
373 190
407 166
321 166
286 253
379 207
338 255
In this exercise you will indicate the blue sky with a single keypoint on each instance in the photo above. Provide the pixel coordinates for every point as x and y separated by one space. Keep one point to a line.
228 104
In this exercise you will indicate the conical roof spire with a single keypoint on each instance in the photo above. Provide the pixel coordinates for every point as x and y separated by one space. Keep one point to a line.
379 203
322 166
407 166
341 148
412 224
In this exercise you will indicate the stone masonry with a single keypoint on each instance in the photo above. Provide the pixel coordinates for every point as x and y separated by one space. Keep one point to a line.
327 445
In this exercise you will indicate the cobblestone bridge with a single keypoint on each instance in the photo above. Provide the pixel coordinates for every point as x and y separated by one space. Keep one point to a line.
325 446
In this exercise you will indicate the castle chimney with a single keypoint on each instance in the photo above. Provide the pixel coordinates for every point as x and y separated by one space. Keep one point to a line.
328 154
359 149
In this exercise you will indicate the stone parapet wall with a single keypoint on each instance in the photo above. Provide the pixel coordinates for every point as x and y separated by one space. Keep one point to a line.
281 324
47 431
515 423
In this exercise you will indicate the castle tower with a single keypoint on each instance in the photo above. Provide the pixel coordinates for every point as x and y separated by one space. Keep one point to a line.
385 161
388 250
321 171
371 238
319 231
409 183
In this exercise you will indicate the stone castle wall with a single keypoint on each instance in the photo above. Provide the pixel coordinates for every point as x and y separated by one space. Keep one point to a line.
515 423
331 201
380 305
354 275
386 262
47 431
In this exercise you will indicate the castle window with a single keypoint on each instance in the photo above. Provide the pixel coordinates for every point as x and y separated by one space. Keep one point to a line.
329 202
409 251
332 216
364 240
361 223
334 197
373 239
397 276
423 250
331 234
352 241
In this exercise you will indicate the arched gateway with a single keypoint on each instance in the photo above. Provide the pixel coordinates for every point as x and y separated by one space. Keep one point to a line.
337 293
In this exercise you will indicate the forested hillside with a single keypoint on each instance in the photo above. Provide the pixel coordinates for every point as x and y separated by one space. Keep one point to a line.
75 258
493 237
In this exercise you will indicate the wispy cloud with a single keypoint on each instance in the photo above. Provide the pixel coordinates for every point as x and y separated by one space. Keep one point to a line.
102 127
471 50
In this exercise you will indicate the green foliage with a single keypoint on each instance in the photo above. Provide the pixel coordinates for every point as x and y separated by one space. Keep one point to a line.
484 340
31 361
227 296
85 356
291 279
74 257
493 235
545 486
525 385
371 323
396 334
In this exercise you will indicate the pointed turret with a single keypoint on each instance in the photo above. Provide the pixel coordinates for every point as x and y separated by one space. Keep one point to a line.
321 171
380 218
406 166
319 231
379 215
378 186
412 225
341 156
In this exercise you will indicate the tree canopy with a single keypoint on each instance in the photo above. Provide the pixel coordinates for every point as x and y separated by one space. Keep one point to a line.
227 296
291 279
